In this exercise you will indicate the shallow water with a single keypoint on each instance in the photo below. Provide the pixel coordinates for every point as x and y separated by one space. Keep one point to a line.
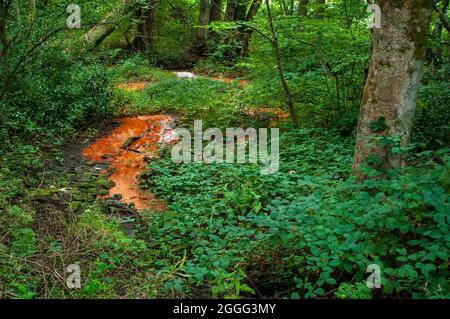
126 149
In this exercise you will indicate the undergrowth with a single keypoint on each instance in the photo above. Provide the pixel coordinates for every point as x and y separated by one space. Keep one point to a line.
308 231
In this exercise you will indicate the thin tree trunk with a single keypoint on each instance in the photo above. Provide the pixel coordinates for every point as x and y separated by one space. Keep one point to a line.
201 38
241 10
254 7
392 85
103 37
276 46
99 33
284 6
215 13
146 27
229 11
303 8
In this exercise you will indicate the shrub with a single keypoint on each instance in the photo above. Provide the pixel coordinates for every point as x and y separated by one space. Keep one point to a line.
431 123
65 94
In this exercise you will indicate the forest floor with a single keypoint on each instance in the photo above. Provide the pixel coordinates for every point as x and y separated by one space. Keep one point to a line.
122 147
112 201
83 205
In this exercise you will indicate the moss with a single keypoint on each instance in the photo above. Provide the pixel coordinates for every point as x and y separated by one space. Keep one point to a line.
103 192
105 183
75 205
44 193
85 185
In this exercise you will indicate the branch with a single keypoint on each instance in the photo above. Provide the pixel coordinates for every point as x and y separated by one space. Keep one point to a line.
231 19
443 18
23 60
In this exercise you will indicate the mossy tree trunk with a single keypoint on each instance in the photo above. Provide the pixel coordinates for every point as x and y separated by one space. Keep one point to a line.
390 93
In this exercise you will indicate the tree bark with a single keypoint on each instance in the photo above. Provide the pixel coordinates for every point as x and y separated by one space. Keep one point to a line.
393 81
254 7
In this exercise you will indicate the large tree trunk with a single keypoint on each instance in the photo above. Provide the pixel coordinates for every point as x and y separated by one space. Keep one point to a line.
201 37
146 27
215 14
303 8
392 85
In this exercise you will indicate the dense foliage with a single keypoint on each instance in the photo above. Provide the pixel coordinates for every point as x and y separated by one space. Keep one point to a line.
308 231
311 229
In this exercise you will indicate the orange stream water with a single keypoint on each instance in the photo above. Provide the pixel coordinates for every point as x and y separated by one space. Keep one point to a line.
127 164
131 87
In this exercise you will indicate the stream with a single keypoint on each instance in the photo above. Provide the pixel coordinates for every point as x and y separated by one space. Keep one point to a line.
125 151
